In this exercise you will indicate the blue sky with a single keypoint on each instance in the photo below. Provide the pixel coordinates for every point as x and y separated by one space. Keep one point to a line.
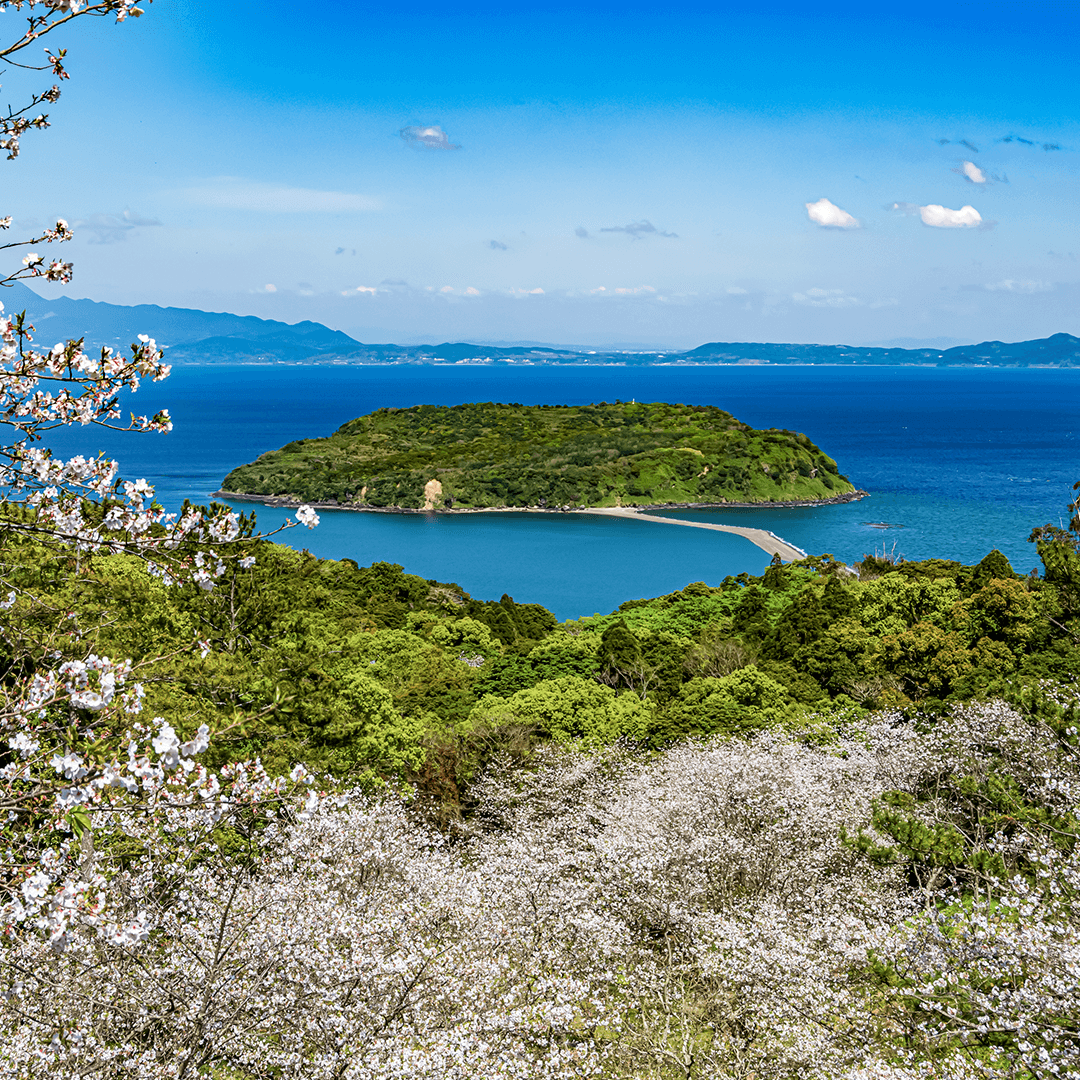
597 174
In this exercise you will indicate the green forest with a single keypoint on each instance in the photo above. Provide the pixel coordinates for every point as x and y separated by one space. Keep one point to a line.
496 455
373 673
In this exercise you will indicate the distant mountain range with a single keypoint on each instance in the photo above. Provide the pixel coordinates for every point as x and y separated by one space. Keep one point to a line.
207 337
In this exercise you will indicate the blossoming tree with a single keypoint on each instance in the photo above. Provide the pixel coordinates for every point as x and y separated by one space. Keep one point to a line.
73 744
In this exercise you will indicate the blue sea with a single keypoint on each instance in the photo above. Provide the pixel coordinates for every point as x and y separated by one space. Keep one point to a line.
957 461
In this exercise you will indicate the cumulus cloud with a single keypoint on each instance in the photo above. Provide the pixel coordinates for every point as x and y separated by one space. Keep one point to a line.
831 298
1014 286
495 245
112 228
232 193
428 138
973 173
449 290
829 216
638 229
941 217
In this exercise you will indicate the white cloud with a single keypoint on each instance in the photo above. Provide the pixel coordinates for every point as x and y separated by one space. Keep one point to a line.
623 290
428 138
829 216
941 217
450 290
1011 285
973 172
833 298
231 193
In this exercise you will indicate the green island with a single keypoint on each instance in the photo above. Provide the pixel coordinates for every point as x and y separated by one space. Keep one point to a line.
487 455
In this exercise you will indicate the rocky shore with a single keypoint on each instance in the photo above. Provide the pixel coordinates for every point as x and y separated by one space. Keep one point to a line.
287 502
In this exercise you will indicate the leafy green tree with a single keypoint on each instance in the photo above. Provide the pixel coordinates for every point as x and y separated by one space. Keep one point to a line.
894 602
928 659
568 709
743 701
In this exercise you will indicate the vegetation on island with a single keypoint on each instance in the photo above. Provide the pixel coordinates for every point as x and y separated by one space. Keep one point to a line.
494 455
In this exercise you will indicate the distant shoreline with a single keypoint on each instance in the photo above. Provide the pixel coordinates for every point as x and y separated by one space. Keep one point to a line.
288 503
184 364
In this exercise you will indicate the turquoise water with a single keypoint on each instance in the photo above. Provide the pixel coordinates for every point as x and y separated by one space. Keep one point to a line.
957 461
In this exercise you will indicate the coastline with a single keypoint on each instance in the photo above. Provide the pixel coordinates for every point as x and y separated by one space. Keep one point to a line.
286 502
764 539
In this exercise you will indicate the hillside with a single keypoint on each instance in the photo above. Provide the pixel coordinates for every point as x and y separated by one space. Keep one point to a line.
488 455
190 335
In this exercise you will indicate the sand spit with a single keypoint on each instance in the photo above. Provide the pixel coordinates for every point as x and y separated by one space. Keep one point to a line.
762 538
767 541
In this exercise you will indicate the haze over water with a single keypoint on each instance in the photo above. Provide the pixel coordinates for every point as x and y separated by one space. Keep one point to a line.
958 460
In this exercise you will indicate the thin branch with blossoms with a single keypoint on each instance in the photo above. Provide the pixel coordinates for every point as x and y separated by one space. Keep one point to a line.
72 744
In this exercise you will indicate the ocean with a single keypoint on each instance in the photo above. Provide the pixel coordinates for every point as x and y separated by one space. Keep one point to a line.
957 461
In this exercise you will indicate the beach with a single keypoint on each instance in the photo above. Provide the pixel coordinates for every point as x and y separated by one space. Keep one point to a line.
768 541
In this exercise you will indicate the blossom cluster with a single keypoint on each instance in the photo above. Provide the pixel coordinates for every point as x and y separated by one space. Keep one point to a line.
693 913
66 752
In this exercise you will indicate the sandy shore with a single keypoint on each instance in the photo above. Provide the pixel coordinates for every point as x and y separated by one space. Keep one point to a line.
762 538
765 540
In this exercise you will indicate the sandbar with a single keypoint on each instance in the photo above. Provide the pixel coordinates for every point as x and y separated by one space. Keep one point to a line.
769 542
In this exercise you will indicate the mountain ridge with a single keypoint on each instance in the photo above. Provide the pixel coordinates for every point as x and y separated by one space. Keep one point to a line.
195 337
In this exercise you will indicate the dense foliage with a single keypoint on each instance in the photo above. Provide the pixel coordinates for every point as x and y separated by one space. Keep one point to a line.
374 673
488 455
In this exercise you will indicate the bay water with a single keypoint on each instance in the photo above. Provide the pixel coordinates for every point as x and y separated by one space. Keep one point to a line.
957 461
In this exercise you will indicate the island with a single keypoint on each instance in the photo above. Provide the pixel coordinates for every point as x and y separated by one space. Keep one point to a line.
482 456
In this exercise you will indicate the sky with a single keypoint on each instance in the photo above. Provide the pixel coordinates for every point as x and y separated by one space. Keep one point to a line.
603 174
